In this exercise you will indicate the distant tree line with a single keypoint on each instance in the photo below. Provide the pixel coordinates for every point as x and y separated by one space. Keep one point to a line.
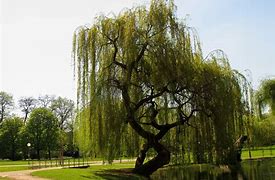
46 124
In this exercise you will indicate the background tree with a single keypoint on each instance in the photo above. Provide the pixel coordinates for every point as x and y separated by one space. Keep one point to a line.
264 132
25 139
51 132
63 109
266 96
42 130
45 101
27 104
143 70
6 103
10 138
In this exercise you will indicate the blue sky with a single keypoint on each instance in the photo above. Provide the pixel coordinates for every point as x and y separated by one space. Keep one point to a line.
244 30
36 38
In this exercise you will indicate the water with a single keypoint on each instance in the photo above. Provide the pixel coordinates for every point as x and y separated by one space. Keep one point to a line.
249 170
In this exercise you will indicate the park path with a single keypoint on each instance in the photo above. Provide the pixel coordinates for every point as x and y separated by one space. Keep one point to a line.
25 174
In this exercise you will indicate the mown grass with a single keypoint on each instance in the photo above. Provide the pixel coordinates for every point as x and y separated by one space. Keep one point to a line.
7 165
13 168
9 162
259 152
114 172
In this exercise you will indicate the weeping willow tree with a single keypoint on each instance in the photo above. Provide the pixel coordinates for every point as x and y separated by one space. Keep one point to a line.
265 96
143 84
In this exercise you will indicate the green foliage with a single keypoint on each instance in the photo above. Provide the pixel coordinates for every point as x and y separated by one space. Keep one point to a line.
63 109
142 74
10 138
264 132
42 129
6 103
265 96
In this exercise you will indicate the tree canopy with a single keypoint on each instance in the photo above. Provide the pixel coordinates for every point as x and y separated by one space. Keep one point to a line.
63 109
266 96
6 103
141 75
10 138
42 129
27 104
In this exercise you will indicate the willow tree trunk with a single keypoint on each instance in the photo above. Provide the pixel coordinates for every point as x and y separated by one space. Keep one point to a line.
162 158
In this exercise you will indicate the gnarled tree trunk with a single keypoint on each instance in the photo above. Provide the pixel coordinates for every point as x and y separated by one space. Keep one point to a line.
162 158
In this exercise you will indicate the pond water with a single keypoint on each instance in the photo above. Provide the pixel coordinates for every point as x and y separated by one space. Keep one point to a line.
263 169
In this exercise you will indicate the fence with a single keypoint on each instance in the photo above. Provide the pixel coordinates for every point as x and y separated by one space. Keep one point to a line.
67 162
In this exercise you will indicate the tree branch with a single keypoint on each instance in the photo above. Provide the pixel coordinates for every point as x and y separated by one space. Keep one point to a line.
151 97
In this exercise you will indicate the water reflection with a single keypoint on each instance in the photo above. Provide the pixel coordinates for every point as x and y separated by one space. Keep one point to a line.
249 170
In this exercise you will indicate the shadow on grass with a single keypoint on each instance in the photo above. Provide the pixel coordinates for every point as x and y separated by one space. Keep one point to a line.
119 174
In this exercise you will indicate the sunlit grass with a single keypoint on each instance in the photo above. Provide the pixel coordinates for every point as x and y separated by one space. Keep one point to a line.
259 152
9 162
93 172
13 168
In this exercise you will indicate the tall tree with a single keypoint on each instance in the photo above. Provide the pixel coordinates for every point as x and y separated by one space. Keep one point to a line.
6 103
45 101
51 133
10 137
27 104
42 130
63 108
144 70
266 96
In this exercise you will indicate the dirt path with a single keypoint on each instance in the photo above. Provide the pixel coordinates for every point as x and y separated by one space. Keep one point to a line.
25 174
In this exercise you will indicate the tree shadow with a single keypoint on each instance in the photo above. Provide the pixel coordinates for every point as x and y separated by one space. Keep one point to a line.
119 174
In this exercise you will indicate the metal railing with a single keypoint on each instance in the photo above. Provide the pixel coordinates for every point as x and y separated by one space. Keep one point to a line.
66 162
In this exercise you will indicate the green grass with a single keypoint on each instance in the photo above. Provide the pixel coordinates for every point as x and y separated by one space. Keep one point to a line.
7 165
13 168
9 162
93 172
259 152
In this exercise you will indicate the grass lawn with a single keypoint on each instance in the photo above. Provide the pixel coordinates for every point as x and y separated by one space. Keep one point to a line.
13 168
9 162
7 165
259 152
113 172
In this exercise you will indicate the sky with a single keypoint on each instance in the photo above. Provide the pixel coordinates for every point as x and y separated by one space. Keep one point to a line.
36 38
